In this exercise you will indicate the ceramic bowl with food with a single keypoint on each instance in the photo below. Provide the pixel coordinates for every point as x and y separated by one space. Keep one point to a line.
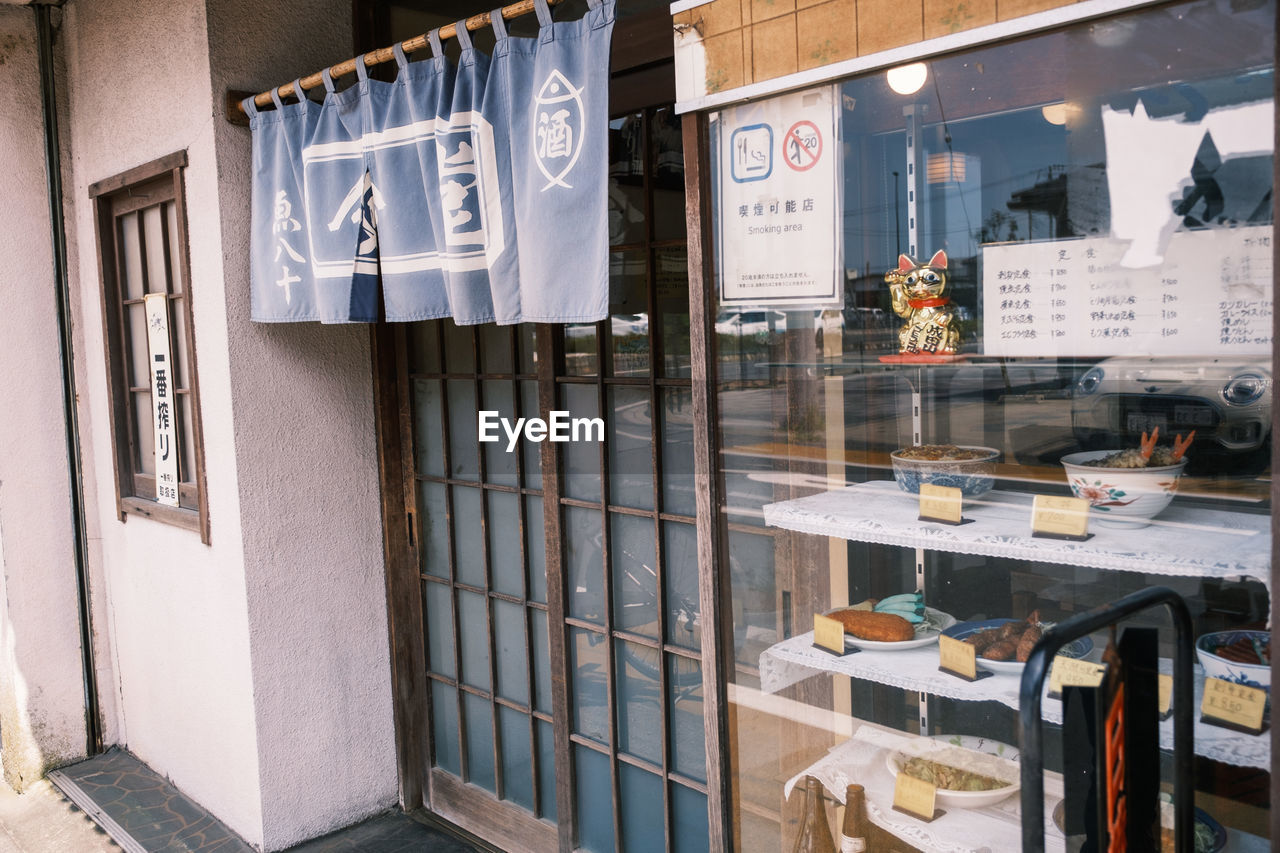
959 787
1121 497
1210 836
1077 648
969 468
1234 656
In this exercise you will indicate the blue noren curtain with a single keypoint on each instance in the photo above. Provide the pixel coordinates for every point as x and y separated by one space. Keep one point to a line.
475 191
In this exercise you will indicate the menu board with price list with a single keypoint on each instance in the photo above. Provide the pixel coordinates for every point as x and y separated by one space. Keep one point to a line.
1212 295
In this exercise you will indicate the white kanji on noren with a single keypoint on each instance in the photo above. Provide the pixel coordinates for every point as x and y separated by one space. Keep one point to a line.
558 127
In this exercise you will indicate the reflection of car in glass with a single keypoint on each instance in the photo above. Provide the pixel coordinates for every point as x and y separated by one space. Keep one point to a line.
622 325
1227 401
629 324
751 323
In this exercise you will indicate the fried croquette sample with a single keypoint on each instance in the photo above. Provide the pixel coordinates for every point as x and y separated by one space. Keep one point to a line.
880 627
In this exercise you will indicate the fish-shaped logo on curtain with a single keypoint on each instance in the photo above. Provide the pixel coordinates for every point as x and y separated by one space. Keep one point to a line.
558 129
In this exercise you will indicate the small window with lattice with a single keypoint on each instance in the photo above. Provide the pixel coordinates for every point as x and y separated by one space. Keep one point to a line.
150 345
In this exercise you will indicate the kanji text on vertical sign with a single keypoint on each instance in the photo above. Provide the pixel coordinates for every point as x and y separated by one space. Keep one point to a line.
162 398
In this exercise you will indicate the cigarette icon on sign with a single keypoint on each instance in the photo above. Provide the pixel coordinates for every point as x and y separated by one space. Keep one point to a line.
752 153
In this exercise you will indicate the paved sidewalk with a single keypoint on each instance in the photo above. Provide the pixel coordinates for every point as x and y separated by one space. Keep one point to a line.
41 820
153 816
145 813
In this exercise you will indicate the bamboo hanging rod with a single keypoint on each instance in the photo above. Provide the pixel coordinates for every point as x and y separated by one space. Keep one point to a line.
386 54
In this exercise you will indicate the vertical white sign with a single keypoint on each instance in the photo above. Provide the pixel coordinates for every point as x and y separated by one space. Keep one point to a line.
163 400
778 197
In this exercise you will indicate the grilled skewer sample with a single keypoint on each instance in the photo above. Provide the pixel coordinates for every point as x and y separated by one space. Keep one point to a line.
1011 641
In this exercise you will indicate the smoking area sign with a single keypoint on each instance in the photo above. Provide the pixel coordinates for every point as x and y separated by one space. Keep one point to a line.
778 201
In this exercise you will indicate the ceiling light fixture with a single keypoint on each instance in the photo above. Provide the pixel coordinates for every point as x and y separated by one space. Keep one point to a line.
907 79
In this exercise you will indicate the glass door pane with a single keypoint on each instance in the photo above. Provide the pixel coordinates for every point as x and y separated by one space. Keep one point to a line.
483 571
635 677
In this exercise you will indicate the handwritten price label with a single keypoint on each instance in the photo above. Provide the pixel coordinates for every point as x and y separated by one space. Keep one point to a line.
1233 705
940 503
1164 686
1069 672
958 658
914 796
828 633
1058 516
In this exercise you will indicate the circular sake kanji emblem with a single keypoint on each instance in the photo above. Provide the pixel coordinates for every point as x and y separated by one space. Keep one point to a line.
802 146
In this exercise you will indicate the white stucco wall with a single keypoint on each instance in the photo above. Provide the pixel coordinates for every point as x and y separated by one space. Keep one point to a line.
308 482
42 723
138 89
253 672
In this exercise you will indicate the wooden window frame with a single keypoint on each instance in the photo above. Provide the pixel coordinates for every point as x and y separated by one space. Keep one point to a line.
157 182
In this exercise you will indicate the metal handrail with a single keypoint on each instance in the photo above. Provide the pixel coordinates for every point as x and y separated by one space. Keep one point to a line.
1029 704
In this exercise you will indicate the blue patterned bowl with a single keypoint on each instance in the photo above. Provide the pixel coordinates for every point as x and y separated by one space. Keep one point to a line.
1249 674
973 477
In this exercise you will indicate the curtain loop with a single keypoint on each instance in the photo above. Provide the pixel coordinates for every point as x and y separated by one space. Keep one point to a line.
362 72
275 98
499 25
544 13
464 37
434 38
401 59
546 33
250 108
328 79
298 92
598 15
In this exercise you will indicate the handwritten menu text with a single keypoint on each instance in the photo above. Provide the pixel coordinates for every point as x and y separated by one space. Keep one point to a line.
1211 295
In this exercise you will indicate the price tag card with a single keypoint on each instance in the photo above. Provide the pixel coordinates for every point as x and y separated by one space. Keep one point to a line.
1233 706
828 635
1069 672
916 797
958 658
1055 517
1164 687
942 504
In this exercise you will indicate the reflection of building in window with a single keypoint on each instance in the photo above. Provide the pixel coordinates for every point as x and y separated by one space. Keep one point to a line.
142 238
1048 195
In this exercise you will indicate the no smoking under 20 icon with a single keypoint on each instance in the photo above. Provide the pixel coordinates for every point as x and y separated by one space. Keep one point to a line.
802 146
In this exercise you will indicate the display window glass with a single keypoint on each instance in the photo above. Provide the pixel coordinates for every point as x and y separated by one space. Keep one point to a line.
1052 277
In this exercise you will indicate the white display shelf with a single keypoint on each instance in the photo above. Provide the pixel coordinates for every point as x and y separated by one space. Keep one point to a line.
988 829
793 660
1181 541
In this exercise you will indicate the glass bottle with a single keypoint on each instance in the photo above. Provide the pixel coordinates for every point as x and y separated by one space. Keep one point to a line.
853 832
815 834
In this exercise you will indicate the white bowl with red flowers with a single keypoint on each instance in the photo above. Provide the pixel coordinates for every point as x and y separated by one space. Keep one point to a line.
1121 497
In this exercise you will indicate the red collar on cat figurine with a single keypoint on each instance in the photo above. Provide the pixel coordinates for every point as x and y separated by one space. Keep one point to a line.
935 302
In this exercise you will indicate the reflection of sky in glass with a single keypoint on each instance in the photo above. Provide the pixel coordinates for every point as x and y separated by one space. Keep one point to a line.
1028 179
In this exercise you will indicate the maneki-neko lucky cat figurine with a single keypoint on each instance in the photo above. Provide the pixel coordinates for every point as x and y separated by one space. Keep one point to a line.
917 290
